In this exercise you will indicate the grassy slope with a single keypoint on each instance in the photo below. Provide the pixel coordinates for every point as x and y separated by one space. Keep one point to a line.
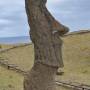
10 80
5 46
22 56
76 55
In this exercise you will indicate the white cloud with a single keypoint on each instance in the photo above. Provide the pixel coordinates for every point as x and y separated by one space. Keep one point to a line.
13 22
56 1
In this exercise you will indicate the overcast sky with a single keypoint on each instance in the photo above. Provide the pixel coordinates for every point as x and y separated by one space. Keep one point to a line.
73 13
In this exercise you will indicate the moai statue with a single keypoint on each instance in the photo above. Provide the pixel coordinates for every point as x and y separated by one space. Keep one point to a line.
45 32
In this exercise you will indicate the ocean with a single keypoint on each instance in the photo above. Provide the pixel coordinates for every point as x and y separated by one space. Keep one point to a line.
15 40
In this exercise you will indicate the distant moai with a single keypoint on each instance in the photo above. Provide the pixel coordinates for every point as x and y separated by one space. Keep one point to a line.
45 32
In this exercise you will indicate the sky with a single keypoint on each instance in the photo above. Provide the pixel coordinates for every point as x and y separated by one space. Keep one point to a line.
73 13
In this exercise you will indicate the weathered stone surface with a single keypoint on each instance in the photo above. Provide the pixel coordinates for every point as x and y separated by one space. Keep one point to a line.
45 33
41 77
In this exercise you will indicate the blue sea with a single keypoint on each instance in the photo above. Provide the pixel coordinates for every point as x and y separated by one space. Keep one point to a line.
15 40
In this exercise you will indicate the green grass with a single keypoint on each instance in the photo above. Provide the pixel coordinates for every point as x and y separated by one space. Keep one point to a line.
76 56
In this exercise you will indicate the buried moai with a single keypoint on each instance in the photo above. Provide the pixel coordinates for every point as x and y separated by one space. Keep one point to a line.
45 32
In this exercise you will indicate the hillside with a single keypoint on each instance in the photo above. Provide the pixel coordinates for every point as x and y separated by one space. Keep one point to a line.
76 56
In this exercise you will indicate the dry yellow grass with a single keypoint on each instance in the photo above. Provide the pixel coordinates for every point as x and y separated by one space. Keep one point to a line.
5 46
21 56
9 80
76 55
